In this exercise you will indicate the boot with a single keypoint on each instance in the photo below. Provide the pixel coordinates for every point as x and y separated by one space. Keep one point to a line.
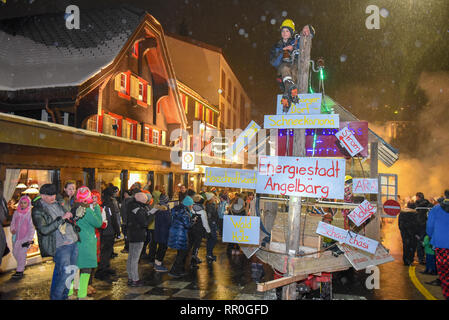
195 258
285 103
291 90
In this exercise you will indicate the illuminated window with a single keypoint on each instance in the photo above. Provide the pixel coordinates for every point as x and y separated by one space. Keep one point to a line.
92 123
123 82
141 91
155 137
147 131
164 137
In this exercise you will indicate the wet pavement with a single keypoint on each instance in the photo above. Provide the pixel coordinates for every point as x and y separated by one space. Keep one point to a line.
229 278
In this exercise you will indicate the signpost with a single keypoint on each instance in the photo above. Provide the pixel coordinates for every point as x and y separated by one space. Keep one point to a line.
365 186
231 178
349 142
392 207
299 176
362 213
309 103
241 229
348 237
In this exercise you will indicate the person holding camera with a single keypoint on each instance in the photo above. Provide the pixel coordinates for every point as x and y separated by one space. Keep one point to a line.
57 238
22 230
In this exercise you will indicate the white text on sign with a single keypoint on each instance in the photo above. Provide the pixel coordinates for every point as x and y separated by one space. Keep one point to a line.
345 236
294 176
366 186
362 213
348 141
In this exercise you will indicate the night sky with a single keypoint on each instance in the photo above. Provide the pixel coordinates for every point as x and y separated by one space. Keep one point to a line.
371 72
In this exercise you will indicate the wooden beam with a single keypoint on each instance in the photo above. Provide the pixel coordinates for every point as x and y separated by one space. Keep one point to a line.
265 286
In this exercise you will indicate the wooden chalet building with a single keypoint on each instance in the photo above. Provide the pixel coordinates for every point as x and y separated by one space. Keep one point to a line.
96 105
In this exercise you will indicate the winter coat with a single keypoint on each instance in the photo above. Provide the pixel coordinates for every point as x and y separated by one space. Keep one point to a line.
65 202
212 212
421 215
112 228
222 209
22 226
408 222
87 246
162 224
138 218
156 195
427 246
200 223
46 226
277 51
124 209
178 233
438 225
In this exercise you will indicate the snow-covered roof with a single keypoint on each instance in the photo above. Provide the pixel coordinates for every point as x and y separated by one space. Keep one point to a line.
40 51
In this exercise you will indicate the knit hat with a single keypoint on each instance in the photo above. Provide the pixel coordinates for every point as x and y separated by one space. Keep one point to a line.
197 198
163 200
48 189
209 195
83 194
141 197
187 201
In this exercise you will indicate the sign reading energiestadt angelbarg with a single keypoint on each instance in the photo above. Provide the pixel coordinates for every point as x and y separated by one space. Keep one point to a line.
301 177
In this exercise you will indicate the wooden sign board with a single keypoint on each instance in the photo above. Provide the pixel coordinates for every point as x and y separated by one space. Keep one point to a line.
365 186
309 103
312 121
299 176
349 142
362 213
345 236
361 260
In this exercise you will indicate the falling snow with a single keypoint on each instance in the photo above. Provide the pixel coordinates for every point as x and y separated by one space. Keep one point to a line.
343 58
384 12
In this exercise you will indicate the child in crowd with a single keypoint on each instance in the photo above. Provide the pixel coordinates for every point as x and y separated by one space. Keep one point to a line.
22 229
431 267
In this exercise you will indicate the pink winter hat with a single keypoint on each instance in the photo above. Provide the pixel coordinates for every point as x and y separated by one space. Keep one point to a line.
83 194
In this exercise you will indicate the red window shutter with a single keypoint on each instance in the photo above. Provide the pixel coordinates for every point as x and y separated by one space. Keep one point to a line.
150 135
128 81
201 112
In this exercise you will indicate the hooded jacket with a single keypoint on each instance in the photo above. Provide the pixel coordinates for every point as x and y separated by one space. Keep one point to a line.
162 224
138 218
438 225
180 225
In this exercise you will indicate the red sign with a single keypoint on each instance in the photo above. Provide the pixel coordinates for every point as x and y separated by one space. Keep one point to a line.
360 214
392 207
348 140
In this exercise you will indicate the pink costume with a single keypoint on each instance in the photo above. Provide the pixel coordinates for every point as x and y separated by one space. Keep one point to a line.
23 227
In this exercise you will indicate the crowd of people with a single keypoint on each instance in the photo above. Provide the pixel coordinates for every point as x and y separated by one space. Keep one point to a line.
424 227
79 227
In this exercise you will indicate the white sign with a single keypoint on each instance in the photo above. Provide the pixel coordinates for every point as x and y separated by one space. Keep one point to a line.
362 213
295 176
188 160
306 121
348 141
346 236
243 139
365 186
309 103
232 178
361 260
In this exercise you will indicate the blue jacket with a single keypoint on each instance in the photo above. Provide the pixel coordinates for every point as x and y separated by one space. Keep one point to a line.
277 53
177 237
162 224
438 225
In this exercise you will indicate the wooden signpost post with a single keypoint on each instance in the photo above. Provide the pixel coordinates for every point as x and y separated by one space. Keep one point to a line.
299 150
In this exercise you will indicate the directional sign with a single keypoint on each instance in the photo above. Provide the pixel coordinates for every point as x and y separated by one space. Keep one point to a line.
392 207
309 103
362 213
348 141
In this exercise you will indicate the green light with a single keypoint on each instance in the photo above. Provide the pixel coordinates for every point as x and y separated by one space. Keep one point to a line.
311 90
321 74
314 144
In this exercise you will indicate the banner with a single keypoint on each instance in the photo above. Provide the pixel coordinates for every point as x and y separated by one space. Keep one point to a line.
349 142
241 229
312 121
346 236
365 186
243 139
309 103
295 176
362 213
232 178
